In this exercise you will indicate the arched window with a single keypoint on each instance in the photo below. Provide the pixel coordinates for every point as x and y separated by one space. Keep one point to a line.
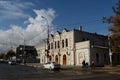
58 44
55 44
62 43
66 42
51 45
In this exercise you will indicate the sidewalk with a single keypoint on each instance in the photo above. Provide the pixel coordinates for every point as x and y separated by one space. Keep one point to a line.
100 69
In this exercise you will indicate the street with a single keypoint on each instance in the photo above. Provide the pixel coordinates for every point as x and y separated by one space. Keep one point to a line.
22 72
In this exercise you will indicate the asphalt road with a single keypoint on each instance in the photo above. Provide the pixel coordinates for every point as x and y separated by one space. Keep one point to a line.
21 72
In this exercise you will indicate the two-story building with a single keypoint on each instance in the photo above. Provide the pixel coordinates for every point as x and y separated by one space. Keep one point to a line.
71 47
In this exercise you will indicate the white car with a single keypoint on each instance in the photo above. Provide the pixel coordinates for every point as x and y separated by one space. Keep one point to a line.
52 65
12 62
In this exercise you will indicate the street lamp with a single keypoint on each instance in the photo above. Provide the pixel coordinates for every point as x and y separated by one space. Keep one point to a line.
47 29
47 34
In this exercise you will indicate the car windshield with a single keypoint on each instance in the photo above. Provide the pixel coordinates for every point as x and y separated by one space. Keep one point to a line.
51 62
54 62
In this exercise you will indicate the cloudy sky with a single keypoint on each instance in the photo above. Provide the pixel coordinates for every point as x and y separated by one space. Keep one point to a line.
21 19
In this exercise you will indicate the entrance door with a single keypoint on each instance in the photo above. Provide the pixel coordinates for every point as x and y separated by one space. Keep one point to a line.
64 60
56 58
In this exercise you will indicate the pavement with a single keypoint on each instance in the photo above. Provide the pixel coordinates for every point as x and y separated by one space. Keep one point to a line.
114 69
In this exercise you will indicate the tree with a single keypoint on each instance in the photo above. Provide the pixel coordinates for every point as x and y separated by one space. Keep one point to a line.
3 56
10 53
115 28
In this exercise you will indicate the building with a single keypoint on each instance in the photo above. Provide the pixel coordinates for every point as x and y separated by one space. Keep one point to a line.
27 53
41 53
71 47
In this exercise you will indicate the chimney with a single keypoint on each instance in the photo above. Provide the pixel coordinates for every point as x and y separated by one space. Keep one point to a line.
80 28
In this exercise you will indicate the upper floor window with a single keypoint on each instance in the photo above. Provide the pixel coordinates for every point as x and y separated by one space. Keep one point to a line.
51 45
62 43
66 42
58 44
55 45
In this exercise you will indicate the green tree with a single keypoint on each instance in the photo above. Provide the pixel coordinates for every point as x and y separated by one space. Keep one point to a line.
10 53
115 28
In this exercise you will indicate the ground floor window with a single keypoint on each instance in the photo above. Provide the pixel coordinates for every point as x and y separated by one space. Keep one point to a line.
97 57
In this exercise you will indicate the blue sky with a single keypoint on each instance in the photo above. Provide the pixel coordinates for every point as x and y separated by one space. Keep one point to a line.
24 16
76 12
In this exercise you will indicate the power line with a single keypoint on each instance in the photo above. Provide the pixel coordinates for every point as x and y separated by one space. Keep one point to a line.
76 25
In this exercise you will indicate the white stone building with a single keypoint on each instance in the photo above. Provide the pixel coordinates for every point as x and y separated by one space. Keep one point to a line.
41 53
71 47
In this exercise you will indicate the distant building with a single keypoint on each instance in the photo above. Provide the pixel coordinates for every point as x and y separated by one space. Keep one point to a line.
71 47
28 53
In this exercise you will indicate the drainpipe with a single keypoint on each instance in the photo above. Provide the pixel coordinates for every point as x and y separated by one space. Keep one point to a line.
74 48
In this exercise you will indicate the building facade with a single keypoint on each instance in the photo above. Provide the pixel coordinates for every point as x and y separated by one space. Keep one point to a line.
41 53
71 47
27 53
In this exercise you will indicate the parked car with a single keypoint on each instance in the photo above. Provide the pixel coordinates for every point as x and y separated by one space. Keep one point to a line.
18 61
12 62
52 65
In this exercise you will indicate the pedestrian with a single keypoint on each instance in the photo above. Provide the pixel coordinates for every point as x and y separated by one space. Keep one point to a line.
83 63
86 64
92 65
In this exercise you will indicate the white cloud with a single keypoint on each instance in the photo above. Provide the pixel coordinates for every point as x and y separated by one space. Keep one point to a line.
13 10
35 31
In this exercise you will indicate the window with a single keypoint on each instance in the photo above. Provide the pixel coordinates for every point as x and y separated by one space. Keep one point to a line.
55 45
62 43
83 39
58 44
66 41
97 57
51 45
105 58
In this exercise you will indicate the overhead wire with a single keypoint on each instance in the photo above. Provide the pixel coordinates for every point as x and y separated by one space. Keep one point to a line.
83 24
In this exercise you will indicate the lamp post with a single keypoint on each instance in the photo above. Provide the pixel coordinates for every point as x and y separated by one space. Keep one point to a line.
47 35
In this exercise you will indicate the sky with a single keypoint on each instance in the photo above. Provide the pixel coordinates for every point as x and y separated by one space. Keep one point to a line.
20 20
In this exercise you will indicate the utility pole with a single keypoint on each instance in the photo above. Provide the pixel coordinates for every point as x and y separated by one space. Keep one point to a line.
24 52
110 53
47 36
